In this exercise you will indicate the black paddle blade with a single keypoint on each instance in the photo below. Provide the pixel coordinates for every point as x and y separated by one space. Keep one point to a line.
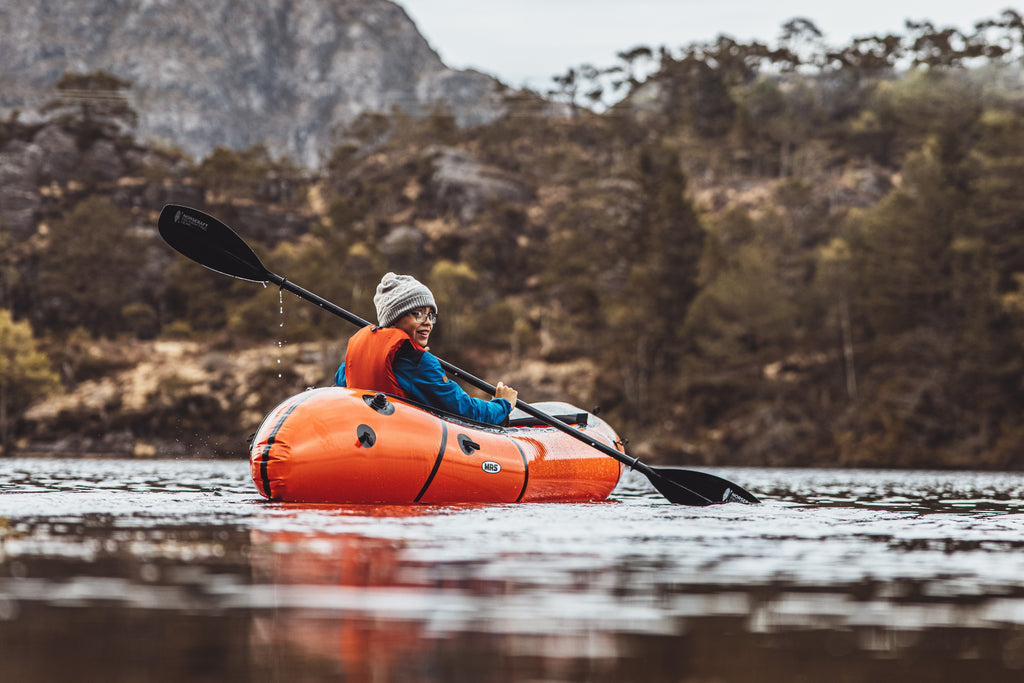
690 487
210 243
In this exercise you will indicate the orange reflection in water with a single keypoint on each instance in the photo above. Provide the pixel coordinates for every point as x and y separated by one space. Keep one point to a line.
343 601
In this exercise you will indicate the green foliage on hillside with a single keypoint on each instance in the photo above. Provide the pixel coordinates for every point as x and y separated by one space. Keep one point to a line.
783 254
25 374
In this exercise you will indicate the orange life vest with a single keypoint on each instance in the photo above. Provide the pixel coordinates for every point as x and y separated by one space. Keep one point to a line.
369 359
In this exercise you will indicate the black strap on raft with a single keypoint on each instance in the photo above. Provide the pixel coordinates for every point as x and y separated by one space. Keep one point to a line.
265 457
437 462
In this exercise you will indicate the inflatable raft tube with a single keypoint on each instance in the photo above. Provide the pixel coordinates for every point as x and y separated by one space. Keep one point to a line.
340 445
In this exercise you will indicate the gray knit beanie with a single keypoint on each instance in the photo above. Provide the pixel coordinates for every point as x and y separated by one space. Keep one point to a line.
397 295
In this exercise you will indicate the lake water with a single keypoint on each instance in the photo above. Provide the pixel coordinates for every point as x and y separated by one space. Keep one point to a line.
116 570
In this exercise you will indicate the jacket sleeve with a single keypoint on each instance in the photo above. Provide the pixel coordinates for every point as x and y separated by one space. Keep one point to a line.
421 377
339 376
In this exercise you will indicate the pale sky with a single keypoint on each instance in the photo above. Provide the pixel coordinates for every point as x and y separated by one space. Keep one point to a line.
526 42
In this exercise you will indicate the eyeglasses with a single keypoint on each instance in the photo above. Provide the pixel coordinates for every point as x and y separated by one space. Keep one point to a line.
420 316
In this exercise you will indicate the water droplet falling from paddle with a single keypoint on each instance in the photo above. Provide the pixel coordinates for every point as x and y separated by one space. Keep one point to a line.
280 325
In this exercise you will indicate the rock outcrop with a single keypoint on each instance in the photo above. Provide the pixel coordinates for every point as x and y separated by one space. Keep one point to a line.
206 73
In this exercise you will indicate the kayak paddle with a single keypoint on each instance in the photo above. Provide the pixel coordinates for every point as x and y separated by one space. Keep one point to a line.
212 244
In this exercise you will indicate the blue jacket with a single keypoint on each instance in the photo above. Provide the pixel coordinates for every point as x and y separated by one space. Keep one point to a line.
420 375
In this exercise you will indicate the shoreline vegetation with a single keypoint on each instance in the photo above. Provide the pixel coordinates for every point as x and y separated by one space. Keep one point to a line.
787 255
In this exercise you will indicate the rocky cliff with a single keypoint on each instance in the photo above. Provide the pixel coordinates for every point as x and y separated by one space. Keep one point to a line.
233 73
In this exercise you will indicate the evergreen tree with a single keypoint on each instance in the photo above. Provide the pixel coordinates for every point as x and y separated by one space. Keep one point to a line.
744 309
90 272
659 251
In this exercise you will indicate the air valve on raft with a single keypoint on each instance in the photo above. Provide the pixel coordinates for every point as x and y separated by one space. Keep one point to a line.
365 436
380 403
